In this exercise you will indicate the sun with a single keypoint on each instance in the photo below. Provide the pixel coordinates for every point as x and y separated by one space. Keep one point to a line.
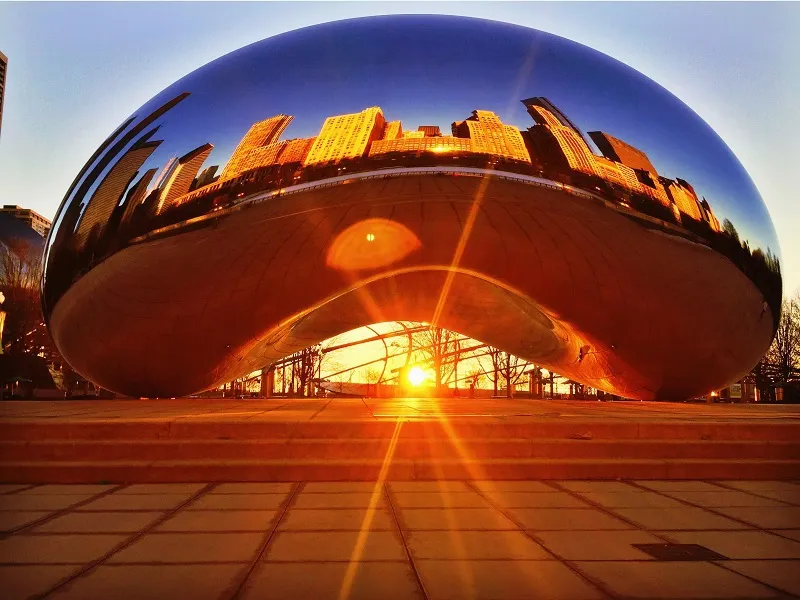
416 376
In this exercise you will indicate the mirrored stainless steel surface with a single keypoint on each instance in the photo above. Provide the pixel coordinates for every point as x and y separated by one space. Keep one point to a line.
505 183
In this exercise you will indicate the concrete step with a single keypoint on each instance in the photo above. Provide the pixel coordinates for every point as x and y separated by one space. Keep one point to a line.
442 428
376 449
398 469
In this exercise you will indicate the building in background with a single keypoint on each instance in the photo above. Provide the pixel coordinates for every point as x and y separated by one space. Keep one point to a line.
3 72
31 218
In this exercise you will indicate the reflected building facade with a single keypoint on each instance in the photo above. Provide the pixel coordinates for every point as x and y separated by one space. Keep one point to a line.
3 72
347 216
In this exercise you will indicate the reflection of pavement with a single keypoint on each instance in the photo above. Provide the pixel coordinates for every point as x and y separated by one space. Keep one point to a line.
402 540
543 275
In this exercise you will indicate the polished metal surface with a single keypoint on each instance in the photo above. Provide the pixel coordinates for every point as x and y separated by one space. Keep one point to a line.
510 185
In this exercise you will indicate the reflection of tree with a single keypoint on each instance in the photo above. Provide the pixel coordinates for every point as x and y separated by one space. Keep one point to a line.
729 229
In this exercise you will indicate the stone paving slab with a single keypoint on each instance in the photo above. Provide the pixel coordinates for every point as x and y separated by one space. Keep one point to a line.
422 540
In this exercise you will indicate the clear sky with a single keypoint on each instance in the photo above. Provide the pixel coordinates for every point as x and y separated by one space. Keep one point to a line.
77 70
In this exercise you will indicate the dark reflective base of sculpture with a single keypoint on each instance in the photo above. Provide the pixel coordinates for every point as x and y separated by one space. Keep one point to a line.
594 292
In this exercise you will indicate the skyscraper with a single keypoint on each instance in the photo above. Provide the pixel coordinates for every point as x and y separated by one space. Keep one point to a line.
559 143
554 113
296 151
182 176
260 134
346 136
621 152
3 71
430 130
711 218
108 194
441 144
393 130
262 156
684 197
490 136
136 194
206 176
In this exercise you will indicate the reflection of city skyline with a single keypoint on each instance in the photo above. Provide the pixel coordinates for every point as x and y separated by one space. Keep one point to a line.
124 204
553 145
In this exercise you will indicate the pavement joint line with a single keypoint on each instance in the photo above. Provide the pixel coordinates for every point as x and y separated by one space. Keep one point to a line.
58 513
510 516
707 509
606 510
126 543
262 550
26 487
725 487
783 593
393 509
320 410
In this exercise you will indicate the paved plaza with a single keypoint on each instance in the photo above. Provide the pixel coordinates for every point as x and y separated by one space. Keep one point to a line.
385 516
436 540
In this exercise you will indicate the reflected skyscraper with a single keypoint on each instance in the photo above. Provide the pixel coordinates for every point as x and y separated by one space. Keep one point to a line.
490 136
346 136
136 194
182 176
617 150
3 74
109 192
261 134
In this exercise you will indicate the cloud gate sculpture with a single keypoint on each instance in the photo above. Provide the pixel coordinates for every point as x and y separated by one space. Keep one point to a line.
507 184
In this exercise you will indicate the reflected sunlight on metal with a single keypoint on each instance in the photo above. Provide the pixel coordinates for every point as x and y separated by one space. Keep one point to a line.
370 244
494 180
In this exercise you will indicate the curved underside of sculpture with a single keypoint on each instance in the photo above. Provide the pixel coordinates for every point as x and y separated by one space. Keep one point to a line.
591 291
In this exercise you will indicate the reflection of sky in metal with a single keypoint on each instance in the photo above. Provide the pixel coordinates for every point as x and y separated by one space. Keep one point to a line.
435 70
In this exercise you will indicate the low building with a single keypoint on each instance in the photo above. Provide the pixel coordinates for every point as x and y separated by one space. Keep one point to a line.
30 217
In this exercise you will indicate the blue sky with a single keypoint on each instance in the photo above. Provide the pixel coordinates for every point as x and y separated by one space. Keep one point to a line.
77 70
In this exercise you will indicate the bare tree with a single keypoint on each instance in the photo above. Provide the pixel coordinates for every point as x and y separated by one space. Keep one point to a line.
781 363
441 349
507 369
20 272
784 354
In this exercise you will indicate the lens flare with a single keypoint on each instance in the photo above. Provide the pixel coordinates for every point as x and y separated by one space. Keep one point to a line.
417 376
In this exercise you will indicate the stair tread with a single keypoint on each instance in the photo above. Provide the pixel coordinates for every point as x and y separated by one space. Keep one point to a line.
357 461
